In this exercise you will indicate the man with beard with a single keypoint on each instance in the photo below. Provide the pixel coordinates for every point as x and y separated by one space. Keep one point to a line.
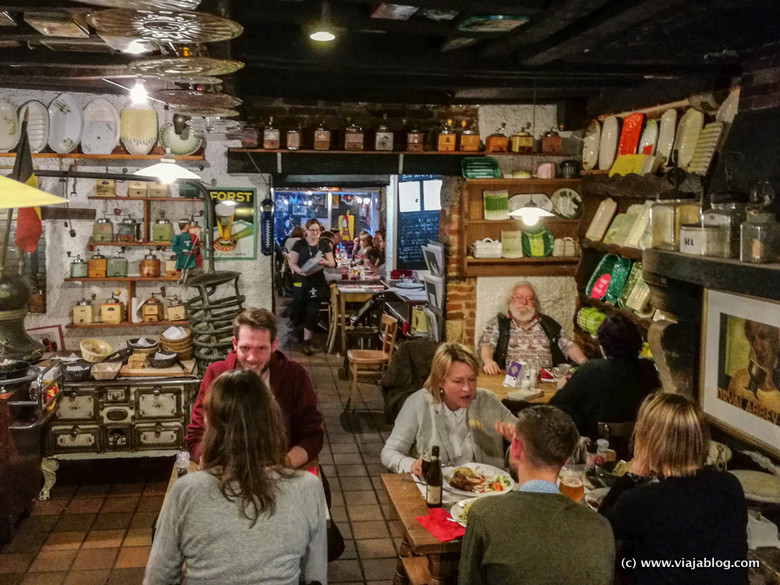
523 335
255 348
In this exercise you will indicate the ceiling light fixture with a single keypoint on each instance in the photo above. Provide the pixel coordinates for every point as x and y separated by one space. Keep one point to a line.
138 94
530 213
167 171
134 89
323 30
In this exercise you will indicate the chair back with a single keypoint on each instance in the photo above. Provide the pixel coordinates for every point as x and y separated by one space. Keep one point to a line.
389 330
619 435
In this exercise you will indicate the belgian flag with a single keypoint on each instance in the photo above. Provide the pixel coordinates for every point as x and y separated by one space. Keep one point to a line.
28 219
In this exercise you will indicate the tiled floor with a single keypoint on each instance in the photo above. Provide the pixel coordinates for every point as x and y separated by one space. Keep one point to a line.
101 534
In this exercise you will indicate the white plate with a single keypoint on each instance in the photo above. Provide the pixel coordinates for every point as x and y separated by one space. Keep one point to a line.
66 122
610 134
593 498
409 285
649 138
705 148
101 127
178 145
9 127
37 124
687 136
138 129
488 471
567 203
666 134
459 510
590 146
521 199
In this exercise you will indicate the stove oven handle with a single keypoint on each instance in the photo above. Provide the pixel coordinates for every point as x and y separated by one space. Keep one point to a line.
47 408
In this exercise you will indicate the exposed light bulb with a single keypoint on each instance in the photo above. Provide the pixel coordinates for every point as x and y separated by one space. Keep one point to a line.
322 36
138 94
533 220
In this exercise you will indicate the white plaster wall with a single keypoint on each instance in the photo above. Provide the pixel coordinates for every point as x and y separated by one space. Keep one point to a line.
555 296
255 280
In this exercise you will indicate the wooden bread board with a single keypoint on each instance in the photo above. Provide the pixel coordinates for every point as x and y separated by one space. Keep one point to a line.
149 371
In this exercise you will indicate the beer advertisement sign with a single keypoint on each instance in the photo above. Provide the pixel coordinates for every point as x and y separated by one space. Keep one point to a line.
235 223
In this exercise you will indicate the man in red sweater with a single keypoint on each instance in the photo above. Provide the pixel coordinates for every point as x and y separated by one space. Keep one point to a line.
255 348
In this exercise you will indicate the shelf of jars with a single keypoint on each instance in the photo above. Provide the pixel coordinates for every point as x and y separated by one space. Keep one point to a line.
610 309
625 252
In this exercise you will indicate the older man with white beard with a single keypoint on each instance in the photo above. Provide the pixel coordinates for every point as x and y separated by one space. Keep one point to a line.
523 334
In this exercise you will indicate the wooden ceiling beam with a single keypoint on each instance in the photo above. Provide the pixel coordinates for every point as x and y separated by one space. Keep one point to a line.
507 7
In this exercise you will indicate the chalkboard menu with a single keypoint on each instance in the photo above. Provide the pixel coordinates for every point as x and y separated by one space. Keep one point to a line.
415 229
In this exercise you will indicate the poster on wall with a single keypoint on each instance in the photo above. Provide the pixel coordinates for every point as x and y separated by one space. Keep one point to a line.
235 219
741 367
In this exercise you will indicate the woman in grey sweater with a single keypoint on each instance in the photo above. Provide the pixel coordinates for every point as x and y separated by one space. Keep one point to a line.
467 423
244 518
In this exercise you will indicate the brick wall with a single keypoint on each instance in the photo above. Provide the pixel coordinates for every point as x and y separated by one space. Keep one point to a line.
761 80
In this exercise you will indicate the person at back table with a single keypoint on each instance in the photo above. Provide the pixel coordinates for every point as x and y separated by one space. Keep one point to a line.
255 348
535 535
523 335
611 389
467 423
691 514
245 518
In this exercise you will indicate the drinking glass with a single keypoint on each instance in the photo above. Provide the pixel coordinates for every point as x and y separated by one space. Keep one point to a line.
570 483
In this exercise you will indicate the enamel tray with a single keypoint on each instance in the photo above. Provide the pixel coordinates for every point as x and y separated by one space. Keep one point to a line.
649 138
666 134
705 148
610 133
66 122
629 136
101 128
177 145
729 108
37 124
687 136
9 128
567 203
138 129
590 146
522 199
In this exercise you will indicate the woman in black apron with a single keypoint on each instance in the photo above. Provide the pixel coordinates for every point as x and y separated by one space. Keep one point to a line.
307 259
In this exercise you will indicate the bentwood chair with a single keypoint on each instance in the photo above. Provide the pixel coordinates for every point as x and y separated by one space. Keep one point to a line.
372 361
619 437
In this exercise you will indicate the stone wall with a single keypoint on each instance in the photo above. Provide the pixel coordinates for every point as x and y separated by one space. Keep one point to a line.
761 80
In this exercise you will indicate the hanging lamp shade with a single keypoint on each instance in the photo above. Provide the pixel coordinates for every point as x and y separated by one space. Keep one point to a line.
166 170
530 213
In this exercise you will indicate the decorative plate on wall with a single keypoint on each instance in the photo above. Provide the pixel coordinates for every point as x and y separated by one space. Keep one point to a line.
610 133
37 124
590 146
66 122
145 4
629 135
197 99
173 67
9 127
165 26
101 127
178 145
138 129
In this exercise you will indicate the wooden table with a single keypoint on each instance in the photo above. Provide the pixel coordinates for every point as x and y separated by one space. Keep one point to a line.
442 558
349 292
493 383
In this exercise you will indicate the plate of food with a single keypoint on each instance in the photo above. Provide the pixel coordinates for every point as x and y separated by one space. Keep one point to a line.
477 479
460 511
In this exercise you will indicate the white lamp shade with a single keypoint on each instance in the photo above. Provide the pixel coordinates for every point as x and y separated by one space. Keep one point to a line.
530 214
14 194
167 171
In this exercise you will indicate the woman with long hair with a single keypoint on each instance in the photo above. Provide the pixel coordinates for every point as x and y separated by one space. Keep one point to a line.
467 423
311 288
244 518
689 514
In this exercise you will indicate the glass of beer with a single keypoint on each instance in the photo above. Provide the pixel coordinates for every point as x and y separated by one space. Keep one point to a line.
225 212
570 483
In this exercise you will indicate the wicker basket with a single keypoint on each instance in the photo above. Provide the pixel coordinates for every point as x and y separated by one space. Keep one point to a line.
94 350
176 344
142 350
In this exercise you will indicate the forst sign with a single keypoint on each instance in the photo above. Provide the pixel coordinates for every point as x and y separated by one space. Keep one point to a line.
235 232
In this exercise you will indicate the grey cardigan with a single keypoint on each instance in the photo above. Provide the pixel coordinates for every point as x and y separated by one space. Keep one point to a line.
420 425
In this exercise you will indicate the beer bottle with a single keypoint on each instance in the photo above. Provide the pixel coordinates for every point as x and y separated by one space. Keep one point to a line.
433 479
182 463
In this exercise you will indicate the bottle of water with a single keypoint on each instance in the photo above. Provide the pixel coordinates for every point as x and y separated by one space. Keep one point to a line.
182 463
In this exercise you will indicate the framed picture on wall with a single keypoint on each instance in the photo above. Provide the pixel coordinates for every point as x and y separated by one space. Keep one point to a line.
50 337
740 367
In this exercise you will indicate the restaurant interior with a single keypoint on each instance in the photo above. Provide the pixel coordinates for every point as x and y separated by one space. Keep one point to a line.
616 158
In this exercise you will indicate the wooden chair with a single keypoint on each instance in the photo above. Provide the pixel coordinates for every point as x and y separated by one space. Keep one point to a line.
619 436
372 361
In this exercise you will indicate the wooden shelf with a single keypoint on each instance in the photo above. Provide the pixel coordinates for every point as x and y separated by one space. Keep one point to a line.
519 182
630 253
514 222
550 266
126 279
145 198
613 310
525 260
404 152
125 324
129 244
116 156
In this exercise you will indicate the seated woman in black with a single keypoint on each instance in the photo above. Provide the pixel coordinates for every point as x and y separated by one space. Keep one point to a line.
611 389
691 515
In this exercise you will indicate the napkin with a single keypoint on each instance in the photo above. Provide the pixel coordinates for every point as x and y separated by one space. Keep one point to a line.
437 523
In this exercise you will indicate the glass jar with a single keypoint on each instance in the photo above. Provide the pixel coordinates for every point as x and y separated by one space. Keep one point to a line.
271 135
759 237
727 217
321 137
294 138
686 212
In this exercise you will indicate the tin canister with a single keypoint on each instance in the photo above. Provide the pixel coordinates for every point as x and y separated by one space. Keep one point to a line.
117 266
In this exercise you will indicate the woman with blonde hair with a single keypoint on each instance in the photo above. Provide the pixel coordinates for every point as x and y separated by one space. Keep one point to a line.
467 423
244 518
689 514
